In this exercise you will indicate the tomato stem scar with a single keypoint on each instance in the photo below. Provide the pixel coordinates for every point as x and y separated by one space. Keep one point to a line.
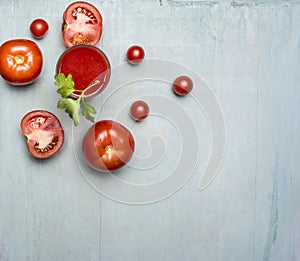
19 59
109 149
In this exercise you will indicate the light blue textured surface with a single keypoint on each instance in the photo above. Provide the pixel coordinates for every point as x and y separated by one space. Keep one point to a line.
249 54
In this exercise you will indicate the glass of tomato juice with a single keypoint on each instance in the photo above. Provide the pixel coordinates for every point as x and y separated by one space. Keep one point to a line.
89 67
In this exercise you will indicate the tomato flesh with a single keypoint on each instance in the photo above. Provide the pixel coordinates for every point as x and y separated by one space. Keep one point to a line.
44 133
87 64
107 146
21 61
82 24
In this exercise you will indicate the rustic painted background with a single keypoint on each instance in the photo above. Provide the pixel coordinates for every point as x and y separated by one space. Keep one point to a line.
248 52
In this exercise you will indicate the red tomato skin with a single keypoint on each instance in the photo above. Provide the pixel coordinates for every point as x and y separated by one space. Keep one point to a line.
139 110
183 85
39 28
45 125
21 61
107 146
135 54
74 31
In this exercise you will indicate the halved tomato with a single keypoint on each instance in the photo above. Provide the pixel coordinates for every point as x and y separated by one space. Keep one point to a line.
82 24
44 133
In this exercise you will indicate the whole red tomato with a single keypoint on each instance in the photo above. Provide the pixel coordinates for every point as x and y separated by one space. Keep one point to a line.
183 85
38 28
107 146
135 54
21 61
139 110
82 24
44 133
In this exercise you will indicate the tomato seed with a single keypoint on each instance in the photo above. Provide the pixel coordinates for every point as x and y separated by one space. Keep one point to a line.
48 147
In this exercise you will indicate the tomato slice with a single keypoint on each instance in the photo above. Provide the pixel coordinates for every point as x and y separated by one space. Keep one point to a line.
44 133
82 24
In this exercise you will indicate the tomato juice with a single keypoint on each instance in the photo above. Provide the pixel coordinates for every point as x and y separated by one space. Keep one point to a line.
88 65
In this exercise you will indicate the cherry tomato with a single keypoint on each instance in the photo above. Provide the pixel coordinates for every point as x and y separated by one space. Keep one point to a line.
44 133
39 28
21 61
183 85
135 54
107 146
139 110
82 24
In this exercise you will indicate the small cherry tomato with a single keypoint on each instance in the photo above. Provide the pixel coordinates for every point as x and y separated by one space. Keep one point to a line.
135 54
21 61
139 110
44 133
107 146
82 24
182 85
39 28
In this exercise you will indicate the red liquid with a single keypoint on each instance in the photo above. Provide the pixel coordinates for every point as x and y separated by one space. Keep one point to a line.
87 64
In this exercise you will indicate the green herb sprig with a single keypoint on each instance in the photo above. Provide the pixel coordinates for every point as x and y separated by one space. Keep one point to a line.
74 107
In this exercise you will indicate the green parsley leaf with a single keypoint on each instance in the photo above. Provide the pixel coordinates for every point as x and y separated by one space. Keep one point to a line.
65 84
86 110
72 107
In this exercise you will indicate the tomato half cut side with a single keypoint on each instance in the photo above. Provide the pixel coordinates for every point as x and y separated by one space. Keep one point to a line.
82 24
44 133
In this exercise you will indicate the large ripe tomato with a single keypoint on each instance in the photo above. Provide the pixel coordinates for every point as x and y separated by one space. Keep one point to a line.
21 61
44 133
107 146
82 24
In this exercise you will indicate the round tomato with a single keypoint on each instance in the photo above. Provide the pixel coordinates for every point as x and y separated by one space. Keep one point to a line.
39 28
139 110
44 133
183 85
21 61
135 54
82 24
107 146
